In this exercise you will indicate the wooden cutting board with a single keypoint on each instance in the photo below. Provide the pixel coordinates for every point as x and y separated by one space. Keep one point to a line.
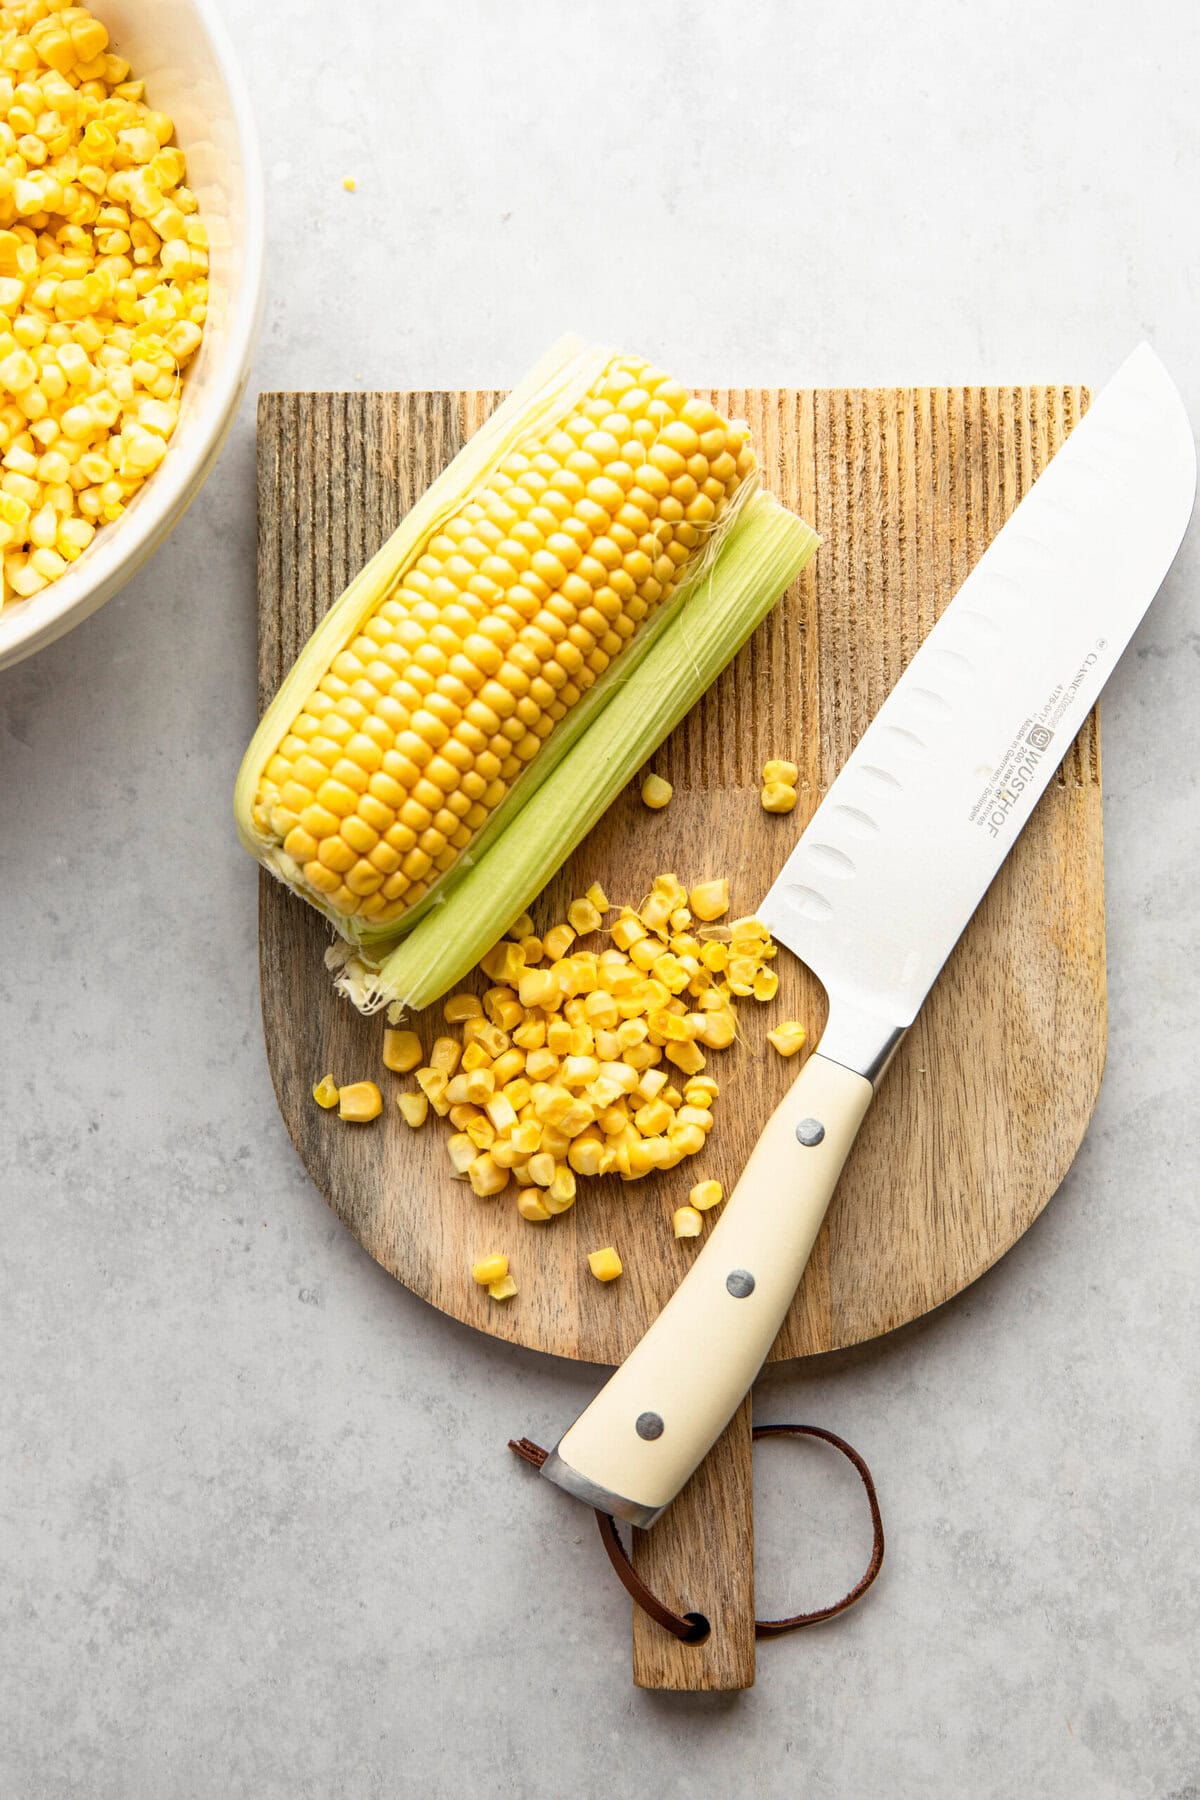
988 1099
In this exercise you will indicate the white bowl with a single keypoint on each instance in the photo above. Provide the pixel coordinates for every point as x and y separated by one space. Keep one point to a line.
181 50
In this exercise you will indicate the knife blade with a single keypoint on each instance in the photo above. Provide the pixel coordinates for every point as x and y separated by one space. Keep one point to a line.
882 883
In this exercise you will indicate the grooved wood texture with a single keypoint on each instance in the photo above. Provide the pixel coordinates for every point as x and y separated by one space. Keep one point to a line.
987 1102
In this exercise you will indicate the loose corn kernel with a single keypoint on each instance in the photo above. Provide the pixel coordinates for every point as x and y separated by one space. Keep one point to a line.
776 770
538 987
583 917
350 185
788 1037
605 1264
686 1222
627 931
486 1178
504 1289
505 962
531 1204
461 1150
459 1007
480 1086
360 1102
326 1092
585 1156
719 1032
433 1084
688 1058
655 794
445 1055
558 941
562 1188
598 897
709 900
489 1269
778 797
500 1110
541 1168
414 1108
401 1051
493 1040
765 985
705 1195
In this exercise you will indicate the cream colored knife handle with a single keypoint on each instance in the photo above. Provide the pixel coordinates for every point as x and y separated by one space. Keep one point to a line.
664 1408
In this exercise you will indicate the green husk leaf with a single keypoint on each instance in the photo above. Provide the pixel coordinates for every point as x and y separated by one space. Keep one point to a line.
760 555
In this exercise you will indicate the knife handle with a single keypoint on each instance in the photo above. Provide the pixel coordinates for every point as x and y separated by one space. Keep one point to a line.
646 1431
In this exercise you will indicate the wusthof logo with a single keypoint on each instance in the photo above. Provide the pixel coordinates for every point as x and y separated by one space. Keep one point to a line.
1017 780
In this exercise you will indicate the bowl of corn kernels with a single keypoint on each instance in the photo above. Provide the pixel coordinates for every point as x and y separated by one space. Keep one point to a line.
131 227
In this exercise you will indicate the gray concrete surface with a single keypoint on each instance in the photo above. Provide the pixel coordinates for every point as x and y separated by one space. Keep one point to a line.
259 1535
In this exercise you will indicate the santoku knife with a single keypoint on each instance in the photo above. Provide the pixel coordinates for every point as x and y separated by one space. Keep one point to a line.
880 886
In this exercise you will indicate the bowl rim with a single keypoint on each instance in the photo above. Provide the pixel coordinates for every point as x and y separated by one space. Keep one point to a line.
56 609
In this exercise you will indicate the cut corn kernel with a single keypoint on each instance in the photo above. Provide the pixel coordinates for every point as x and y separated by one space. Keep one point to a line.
583 917
445 1055
531 1204
788 1037
686 1222
462 1151
777 770
326 1092
778 797
705 1195
401 1051
414 1108
486 1177
360 1102
656 792
504 1289
459 1007
433 1084
489 1269
538 987
598 897
709 900
605 1264
558 941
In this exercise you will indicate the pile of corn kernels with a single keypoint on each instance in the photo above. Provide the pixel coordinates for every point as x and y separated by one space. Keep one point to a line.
578 1062
103 287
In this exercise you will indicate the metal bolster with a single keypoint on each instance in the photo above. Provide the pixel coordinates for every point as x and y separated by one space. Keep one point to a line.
592 1494
858 1041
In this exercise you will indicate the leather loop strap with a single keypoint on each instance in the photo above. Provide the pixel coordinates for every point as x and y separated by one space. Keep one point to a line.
764 1628
692 1628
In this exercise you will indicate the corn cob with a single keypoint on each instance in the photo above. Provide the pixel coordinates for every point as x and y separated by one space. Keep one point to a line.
475 643
759 556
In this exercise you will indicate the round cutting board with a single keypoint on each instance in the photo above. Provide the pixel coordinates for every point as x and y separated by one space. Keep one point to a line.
985 1106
